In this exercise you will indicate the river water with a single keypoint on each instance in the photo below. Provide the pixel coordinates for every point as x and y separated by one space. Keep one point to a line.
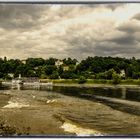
66 111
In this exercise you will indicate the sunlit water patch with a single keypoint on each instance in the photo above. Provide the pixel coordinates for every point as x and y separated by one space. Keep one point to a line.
78 130
12 104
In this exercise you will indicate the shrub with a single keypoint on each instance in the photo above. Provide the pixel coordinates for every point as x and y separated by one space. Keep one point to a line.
54 75
116 78
82 80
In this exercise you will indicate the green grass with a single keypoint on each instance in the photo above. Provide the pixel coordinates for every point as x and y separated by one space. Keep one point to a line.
130 82
64 81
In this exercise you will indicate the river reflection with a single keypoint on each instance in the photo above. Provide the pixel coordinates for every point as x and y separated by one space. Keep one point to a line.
132 94
125 93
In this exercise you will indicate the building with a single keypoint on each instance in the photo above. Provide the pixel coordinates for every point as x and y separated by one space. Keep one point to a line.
65 68
58 63
122 73
23 61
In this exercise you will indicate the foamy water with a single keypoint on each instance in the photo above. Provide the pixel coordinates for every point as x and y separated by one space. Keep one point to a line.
51 101
15 105
79 131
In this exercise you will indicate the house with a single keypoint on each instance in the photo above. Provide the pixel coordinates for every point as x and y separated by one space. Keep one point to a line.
23 61
65 68
58 63
122 73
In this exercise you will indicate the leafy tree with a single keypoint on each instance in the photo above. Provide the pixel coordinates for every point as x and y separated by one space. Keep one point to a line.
50 61
34 62
60 70
109 73
136 75
55 75
69 61
66 75
82 80
116 78
31 73
49 69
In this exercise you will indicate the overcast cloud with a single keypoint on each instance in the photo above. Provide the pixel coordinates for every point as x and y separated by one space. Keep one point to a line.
76 31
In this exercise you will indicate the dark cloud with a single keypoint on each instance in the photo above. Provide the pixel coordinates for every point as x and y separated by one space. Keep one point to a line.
112 6
20 16
137 16
130 27
124 39
111 49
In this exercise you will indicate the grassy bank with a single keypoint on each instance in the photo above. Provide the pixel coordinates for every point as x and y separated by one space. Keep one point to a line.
90 81
93 81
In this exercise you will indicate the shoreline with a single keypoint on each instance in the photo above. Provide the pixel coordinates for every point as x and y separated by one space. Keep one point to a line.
78 85
97 85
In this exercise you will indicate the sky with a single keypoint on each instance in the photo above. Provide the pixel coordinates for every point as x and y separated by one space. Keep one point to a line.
75 31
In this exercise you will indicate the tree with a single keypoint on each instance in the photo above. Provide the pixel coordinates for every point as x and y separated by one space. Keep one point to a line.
49 69
35 62
66 75
109 73
31 73
50 61
116 78
60 70
55 75
82 80
69 61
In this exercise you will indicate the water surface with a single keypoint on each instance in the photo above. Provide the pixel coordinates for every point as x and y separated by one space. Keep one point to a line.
70 110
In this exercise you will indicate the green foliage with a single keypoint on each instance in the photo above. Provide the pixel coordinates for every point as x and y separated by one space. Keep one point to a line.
55 75
69 61
31 73
136 75
116 78
109 73
43 76
49 69
7 77
105 75
82 80
66 75
50 61
100 68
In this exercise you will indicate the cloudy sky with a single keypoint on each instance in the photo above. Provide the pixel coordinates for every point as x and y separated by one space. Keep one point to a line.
76 31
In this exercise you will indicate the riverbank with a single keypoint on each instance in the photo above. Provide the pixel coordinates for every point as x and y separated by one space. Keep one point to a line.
92 81
126 82
96 85
73 84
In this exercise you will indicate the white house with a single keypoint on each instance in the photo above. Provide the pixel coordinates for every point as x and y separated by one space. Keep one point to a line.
58 63
122 73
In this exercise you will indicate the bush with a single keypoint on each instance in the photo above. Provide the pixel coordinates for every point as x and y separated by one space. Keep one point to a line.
43 76
7 77
82 80
54 75
116 78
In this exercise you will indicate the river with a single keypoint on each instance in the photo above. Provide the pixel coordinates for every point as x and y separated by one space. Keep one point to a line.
69 111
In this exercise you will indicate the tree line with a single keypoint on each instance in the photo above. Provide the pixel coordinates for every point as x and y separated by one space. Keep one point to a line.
90 68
